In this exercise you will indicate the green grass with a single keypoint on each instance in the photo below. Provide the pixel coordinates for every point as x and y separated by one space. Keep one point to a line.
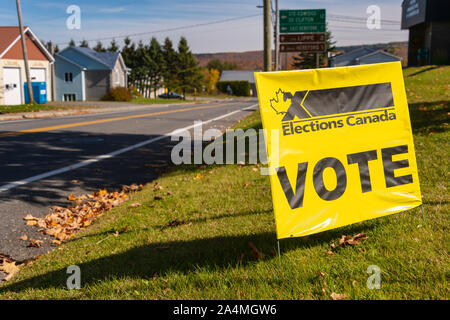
209 256
30 108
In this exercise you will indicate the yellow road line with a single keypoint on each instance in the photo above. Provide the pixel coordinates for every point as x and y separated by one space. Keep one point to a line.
86 123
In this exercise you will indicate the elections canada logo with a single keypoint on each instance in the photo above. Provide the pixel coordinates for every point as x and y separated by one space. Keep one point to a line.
326 109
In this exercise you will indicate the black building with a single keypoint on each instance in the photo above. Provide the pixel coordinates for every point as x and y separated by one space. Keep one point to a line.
428 22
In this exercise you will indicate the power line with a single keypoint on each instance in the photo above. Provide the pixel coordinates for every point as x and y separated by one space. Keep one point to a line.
172 29
337 16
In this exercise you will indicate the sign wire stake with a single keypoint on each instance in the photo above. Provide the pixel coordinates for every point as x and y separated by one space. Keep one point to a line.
279 254
423 213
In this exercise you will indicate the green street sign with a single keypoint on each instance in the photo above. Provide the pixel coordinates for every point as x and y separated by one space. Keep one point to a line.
298 28
310 20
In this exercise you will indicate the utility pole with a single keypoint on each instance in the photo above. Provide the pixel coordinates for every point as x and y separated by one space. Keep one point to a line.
24 48
267 36
52 52
277 37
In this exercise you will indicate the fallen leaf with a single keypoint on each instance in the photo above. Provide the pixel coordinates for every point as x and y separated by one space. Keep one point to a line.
56 242
337 296
247 184
322 274
135 205
10 268
34 243
175 223
24 237
158 197
71 197
198 176
256 253
347 240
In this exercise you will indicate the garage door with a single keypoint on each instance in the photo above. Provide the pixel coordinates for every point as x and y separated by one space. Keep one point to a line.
38 75
12 86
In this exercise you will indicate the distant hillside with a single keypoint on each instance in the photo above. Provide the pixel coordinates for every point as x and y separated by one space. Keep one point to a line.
253 60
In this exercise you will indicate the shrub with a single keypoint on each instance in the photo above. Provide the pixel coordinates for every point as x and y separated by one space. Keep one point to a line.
238 88
118 94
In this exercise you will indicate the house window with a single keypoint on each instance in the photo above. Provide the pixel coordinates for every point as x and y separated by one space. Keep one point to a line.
68 76
69 97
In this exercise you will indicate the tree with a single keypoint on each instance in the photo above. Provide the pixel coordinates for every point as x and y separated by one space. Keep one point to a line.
72 43
84 44
308 60
189 77
113 46
219 65
170 64
99 47
211 77
156 65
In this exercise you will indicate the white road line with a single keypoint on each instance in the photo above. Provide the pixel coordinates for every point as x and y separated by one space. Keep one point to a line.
87 162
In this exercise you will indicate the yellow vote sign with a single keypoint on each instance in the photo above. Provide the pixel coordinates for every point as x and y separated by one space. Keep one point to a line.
339 144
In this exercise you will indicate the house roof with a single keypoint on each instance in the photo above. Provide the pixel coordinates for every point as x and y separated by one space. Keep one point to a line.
379 52
349 57
108 59
238 75
70 61
10 35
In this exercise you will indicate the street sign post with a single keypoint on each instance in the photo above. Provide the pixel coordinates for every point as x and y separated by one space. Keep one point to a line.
303 31
302 47
310 20
302 37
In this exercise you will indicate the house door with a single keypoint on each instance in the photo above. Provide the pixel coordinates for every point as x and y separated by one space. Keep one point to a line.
38 75
12 86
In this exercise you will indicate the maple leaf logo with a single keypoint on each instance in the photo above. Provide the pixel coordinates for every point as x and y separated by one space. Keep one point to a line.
279 104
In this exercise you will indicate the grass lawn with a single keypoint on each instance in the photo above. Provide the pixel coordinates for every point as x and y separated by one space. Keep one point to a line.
220 209
30 108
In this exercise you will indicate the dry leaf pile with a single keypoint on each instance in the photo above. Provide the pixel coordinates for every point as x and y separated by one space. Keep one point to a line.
63 223
8 266
356 239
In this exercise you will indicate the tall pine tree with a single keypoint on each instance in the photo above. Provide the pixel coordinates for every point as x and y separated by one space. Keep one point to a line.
84 44
99 47
156 66
113 46
189 76
170 65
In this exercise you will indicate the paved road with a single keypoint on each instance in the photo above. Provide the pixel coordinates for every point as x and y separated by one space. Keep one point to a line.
37 158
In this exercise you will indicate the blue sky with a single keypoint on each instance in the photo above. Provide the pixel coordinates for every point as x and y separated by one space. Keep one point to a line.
116 18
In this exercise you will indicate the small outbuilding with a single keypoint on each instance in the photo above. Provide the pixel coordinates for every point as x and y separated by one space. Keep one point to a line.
12 65
85 74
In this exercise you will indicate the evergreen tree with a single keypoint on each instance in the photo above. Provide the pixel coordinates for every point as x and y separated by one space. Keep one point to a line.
99 47
128 53
113 46
156 67
72 43
308 60
84 44
189 77
170 65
